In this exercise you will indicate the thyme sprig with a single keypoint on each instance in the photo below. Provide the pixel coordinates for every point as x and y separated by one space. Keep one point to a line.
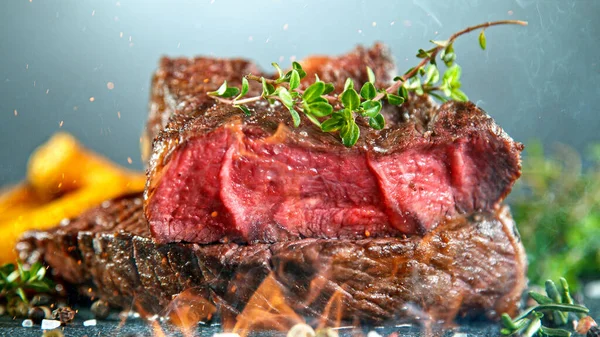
549 317
15 280
333 113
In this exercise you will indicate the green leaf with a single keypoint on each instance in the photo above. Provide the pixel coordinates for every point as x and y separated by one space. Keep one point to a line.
533 327
555 332
414 84
296 66
221 89
295 117
507 321
21 294
482 41
458 95
268 88
377 122
443 43
566 294
449 58
541 299
39 286
285 97
438 97
452 75
279 71
349 84
432 74
575 308
505 332
313 119
245 88
319 109
23 274
395 99
349 133
328 88
350 99
368 91
38 271
422 54
314 91
12 276
244 109
230 92
294 80
334 123
403 92
370 75
372 108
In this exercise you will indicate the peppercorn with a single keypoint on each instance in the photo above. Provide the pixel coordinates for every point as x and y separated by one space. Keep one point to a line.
593 332
100 309
37 314
65 315
17 308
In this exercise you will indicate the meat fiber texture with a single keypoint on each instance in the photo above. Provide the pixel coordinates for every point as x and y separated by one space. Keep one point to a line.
469 266
216 175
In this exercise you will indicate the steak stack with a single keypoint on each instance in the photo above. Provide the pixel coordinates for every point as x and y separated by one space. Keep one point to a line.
411 215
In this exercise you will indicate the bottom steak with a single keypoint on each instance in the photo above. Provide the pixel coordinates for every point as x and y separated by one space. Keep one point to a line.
467 266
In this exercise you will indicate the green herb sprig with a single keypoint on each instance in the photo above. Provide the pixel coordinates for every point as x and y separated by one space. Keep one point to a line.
548 317
16 281
339 113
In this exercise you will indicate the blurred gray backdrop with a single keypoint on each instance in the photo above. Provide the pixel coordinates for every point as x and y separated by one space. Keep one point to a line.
542 81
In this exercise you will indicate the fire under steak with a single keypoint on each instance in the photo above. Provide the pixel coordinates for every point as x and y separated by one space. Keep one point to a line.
216 175
468 266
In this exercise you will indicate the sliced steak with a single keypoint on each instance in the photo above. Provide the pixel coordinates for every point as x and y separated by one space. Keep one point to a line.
467 266
216 175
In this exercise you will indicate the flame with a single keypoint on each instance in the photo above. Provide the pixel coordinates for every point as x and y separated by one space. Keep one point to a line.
266 309
332 313
157 330
188 309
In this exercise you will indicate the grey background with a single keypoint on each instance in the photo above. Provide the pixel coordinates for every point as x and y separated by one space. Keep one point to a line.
540 82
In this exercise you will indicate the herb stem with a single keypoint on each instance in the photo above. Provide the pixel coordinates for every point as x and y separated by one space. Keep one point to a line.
394 87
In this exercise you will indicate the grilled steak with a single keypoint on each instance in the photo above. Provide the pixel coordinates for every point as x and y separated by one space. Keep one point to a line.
216 175
466 266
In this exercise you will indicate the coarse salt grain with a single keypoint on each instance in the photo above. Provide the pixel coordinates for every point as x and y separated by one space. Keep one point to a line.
373 334
90 322
49 324
27 323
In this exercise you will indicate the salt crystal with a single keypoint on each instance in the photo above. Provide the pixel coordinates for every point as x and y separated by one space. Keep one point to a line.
459 334
49 324
27 323
89 322
373 334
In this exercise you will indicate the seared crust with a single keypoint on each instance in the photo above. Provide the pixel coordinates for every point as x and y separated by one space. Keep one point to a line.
473 266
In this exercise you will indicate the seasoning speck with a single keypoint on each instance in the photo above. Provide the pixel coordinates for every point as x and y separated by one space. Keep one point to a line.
61 124
119 114
285 27
121 34
110 85
129 160
15 112
374 24
92 99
